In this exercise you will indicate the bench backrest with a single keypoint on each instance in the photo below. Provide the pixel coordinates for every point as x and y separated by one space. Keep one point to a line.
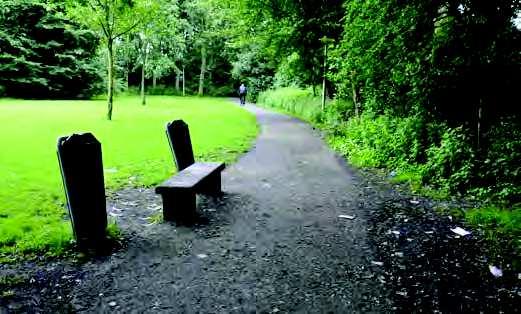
180 144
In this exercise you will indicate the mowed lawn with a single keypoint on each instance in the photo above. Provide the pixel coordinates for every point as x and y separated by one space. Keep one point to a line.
33 216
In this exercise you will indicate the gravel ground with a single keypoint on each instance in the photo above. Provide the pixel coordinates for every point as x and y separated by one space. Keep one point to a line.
275 243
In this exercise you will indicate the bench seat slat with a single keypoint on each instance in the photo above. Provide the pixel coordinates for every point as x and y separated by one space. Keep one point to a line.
190 177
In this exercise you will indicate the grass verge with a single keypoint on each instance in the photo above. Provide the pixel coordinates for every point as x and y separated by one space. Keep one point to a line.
135 153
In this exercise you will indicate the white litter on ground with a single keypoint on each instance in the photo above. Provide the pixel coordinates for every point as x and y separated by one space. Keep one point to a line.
495 271
460 231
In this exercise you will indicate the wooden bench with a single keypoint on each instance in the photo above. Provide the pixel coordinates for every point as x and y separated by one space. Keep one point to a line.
179 192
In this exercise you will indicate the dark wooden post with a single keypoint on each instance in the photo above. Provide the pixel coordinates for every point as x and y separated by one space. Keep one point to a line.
81 168
179 206
180 144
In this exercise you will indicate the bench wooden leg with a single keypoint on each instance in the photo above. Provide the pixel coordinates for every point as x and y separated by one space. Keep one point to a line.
212 185
179 205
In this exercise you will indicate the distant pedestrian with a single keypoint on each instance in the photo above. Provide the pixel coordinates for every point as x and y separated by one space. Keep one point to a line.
242 94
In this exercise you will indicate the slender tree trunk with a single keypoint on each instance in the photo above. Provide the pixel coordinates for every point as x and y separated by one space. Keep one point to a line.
110 81
184 80
203 70
324 79
154 80
355 95
143 96
355 99
177 80
126 77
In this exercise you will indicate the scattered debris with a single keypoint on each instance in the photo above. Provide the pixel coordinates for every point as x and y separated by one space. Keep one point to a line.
396 232
377 263
414 202
460 231
112 304
495 271
202 256
346 217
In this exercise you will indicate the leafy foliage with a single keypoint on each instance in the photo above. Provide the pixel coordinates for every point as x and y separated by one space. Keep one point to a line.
44 53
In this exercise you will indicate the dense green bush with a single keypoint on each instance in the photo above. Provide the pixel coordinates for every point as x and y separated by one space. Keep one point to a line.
298 102
378 141
500 172
450 164
43 55
221 91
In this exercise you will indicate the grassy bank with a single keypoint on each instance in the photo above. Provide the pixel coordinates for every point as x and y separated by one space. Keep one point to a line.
433 159
135 153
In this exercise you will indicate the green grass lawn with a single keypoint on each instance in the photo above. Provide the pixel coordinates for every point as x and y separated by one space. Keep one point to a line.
135 153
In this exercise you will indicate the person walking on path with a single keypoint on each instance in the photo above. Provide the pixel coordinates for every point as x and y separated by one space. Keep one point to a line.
242 94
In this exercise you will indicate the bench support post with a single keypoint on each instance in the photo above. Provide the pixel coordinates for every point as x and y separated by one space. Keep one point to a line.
179 205
212 185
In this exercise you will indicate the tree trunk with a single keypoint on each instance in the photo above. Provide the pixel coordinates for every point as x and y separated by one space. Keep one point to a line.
354 91
126 78
143 97
324 79
203 70
177 80
110 81
355 99
184 80
154 80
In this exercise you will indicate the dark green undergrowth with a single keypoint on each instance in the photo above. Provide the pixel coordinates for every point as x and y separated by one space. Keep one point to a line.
433 159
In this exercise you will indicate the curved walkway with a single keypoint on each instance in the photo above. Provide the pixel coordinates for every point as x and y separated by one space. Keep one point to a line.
274 243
